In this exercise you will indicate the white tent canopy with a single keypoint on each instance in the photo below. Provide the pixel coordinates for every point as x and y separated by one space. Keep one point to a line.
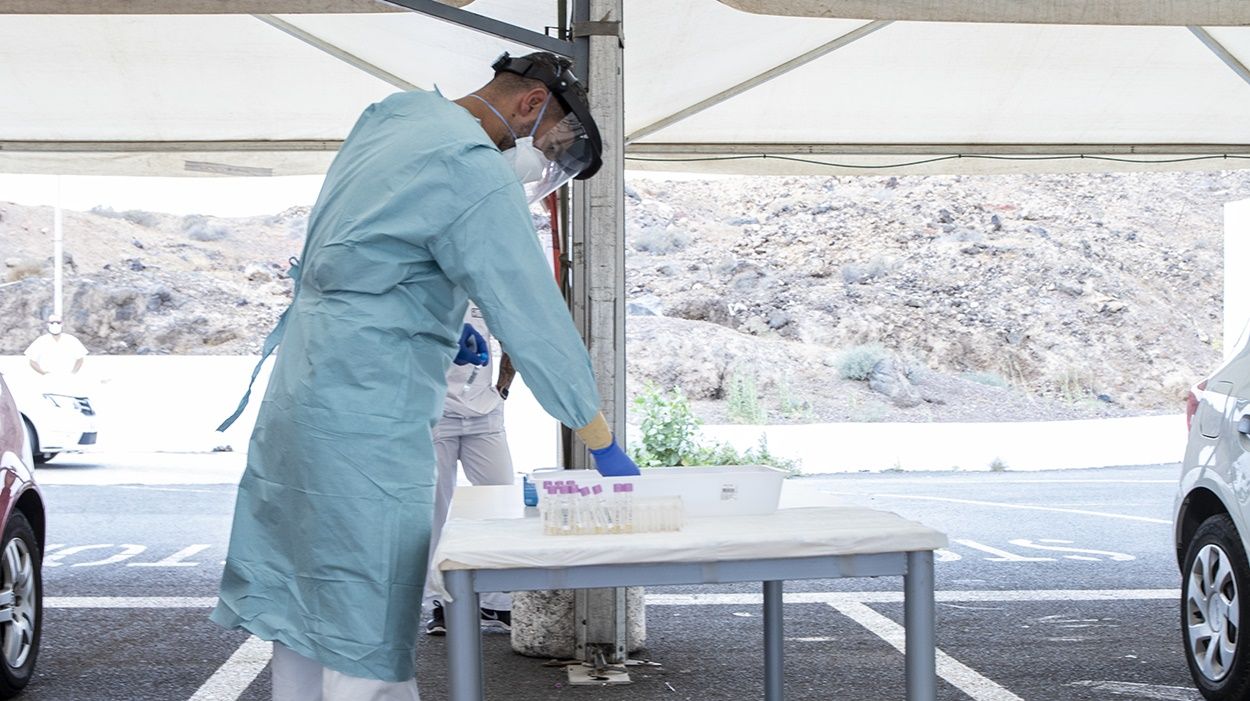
258 88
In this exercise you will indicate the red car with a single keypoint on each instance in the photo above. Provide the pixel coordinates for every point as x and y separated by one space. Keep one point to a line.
21 552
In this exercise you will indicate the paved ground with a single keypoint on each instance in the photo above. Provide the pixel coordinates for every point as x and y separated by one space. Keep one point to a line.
1057 586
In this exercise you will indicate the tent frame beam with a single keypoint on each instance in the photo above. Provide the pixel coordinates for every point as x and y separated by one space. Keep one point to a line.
1222 52
488 25
336 51
779 70
658 149
193 7
1174 13
169 146
1006 149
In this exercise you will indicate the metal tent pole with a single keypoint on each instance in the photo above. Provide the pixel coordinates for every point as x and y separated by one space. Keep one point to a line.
598 281
58 255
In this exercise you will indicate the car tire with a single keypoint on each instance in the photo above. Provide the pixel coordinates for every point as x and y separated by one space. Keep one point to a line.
40 457
21 577
1215 575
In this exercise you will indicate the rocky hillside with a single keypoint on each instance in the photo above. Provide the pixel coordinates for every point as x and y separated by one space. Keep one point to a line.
1072 287
1009 297
143 282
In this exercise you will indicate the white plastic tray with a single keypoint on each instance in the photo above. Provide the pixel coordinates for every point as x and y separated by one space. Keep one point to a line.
705 491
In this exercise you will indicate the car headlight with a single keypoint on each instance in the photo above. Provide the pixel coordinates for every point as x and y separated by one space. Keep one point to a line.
64 401
59 400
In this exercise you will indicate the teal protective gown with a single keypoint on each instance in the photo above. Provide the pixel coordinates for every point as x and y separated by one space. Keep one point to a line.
418 213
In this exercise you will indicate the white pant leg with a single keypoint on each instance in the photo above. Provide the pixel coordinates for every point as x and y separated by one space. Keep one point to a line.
297 678
337 686
486 460
447 452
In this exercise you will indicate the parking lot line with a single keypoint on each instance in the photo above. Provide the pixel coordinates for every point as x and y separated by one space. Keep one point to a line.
1029 507
234 677
802 597
956 673
129 602
1142 692
896 597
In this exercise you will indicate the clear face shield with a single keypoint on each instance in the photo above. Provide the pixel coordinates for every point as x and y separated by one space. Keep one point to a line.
568 150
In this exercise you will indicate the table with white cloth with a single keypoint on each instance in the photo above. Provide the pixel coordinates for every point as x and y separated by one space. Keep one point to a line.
478 555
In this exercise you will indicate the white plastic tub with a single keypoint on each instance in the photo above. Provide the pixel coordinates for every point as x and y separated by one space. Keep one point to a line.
704 491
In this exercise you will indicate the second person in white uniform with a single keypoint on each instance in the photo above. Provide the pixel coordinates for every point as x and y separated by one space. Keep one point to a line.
471 433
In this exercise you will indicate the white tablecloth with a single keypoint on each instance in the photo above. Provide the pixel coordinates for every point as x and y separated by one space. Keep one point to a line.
803 532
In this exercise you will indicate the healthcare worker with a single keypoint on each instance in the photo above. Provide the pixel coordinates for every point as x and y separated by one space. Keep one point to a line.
471 434
423 208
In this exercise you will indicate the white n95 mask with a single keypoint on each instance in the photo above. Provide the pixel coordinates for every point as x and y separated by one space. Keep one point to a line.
526 160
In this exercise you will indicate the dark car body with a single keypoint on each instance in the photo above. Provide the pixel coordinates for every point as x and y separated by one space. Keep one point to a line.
21 551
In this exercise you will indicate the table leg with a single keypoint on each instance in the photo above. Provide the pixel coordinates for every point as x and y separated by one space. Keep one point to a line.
919 619
464 638
774 675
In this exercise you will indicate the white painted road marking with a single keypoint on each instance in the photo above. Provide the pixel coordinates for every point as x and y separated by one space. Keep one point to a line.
58 555
129 602
238 673
1000 555
1062 548
1029 507
127 551
956 673
815 597
896 597
232 678
175 560
1150 692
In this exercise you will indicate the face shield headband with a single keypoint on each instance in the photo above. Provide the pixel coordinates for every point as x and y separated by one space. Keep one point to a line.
578 147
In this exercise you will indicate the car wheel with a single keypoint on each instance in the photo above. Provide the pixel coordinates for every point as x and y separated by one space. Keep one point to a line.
39 456
21 603
1215 576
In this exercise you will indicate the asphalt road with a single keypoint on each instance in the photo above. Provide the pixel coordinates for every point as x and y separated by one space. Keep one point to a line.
1057 586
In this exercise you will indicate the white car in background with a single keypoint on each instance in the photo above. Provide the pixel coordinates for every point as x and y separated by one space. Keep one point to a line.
57 419
1211 531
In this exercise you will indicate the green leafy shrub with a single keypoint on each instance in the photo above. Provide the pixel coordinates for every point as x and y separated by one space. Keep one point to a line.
670 438
857 363
725 454
789 404
669 428
744 400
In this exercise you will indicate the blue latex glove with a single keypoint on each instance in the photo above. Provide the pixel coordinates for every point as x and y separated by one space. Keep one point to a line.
473 348
613 462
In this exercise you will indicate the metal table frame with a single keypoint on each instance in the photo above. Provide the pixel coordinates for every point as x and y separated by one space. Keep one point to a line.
464 641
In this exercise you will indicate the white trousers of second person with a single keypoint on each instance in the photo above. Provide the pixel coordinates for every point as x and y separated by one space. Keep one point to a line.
298 678
480 446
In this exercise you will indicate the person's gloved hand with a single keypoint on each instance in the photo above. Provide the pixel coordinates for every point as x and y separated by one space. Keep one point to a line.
473 348
613 462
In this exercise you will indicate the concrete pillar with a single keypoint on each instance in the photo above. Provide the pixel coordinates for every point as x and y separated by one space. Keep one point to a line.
544 623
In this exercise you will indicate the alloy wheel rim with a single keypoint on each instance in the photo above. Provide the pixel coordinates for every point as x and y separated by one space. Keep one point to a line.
1212 612
18 571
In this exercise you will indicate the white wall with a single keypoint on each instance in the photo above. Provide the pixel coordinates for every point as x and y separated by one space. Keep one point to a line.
175 403
1236 282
